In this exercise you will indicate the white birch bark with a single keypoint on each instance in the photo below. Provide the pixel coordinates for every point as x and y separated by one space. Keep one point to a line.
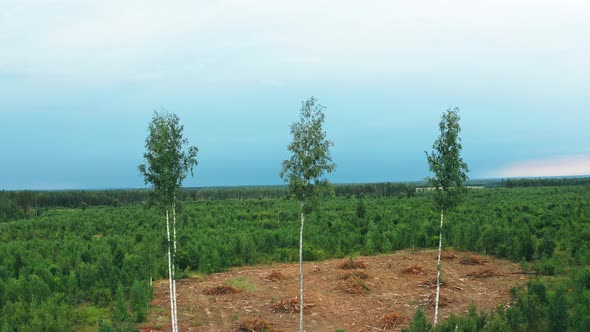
170 273
174 263
301 304
439 268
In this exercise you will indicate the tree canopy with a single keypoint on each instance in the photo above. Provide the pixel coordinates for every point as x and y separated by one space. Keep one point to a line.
445 161
311 158
168 156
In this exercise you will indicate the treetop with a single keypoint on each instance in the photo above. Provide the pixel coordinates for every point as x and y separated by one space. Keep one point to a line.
445 161
311 159
168 156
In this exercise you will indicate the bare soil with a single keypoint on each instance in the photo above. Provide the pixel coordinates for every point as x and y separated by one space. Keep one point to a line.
380 297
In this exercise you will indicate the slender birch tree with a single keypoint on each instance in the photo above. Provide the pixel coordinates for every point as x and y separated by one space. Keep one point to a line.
168 159
450 174
306 168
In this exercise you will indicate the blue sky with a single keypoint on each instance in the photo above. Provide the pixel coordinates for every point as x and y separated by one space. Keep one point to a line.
79 82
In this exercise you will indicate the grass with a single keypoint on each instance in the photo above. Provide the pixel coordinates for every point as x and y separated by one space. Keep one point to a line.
191 274
241 283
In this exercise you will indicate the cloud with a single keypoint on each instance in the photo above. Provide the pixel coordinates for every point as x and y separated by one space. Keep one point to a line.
275 41
561 166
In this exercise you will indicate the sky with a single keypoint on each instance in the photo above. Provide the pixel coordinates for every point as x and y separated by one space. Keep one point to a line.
79 81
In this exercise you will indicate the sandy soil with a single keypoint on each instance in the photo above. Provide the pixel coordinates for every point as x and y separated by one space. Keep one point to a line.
352 304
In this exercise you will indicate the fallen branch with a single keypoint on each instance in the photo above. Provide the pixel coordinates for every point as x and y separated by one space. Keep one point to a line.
253 325
414 269
220 290
289 306
352 264
473 260
428 283
484 273
391 321
274 276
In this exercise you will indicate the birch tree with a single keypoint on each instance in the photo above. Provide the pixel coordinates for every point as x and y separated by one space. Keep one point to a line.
450 174
168 160
306 168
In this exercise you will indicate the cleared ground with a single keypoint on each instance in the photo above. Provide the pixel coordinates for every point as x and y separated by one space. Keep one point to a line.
382 296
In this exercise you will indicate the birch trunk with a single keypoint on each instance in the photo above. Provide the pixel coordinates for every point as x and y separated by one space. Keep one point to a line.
174 262
170 272
301 304
439 268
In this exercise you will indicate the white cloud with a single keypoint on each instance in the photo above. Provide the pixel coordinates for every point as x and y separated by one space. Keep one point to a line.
274 40
561 166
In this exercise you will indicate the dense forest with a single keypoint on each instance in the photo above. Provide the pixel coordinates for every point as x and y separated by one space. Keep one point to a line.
91 267
27 203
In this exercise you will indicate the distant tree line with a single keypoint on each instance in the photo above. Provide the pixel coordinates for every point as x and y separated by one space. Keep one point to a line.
384 189
233 193
545 182
28 203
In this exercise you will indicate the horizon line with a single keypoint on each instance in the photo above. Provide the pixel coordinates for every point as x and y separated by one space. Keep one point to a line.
489 179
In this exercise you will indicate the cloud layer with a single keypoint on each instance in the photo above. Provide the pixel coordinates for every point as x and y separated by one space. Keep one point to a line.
225 41
560 166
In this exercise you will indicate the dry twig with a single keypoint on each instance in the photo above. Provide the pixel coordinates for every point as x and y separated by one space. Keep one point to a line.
220 290
414 269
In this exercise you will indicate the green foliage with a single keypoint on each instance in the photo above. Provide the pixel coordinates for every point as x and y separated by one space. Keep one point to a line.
445 161
72 257
105 326
139 299
539 290
120 311
558 311
311 158
546 267
361 209
168 157
13 204
547 246
470 322
419 323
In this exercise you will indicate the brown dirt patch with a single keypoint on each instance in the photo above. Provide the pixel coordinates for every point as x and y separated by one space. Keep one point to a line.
289 306
353 264
443 300
430 283
483 273
254 325
391 291
220 290
473 260
354 274
353 285
274 276
390 321
447 255
414 269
